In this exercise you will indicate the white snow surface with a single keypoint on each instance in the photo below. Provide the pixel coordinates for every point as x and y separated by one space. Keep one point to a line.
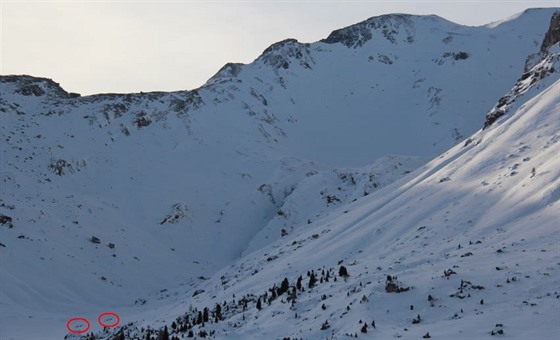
193 189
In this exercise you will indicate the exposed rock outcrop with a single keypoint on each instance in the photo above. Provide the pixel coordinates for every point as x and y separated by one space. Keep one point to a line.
537 67
389 26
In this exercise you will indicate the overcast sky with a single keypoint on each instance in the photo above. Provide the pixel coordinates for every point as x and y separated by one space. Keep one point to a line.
130 46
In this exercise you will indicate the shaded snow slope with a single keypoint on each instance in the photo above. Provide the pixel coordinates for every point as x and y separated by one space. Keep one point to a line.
321 192
175 186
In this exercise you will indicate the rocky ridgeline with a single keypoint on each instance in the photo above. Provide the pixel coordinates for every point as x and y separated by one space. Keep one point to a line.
388 26
537 66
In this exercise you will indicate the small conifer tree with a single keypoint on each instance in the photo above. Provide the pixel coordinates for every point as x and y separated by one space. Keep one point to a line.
164 334
218 312
199 318
312 280
298 284
205 314
284 286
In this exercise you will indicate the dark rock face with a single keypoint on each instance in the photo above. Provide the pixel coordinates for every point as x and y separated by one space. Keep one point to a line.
6 220
454 56
390 27
537 73
391 287
552 36
142 122
31 90
34 86
281 54
59 166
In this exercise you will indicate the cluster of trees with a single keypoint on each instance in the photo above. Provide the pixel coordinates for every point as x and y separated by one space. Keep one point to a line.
292 291
191 323
186 325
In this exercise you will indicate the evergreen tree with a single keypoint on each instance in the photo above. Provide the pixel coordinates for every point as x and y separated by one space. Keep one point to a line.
164 335
312 280
284 286
205 314
218 312
259 304
199 318
343 272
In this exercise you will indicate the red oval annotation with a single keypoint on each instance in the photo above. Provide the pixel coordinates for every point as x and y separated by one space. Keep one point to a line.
109 325
104 323
75 329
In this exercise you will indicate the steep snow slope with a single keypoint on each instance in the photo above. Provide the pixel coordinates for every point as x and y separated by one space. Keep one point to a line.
178 185
470 240
319 193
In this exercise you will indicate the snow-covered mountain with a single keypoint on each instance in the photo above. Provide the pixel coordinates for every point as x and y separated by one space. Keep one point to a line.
157 205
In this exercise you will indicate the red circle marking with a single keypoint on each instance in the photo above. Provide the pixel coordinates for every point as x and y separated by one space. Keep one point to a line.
106 324
75 331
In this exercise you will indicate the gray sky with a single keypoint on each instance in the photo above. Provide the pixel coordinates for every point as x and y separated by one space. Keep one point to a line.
130 46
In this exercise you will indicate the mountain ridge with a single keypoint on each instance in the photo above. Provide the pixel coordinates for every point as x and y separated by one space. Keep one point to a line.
166 176
357 26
